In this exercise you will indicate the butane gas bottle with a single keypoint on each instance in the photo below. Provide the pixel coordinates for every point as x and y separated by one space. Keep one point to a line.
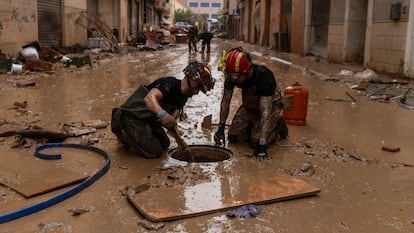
296 115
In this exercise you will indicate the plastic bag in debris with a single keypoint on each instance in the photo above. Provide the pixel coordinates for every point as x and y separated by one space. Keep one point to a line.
245 211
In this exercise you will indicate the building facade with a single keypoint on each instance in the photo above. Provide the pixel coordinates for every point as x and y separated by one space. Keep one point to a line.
208 9
64 23
375 33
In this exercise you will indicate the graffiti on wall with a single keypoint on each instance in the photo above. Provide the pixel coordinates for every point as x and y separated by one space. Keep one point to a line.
16 18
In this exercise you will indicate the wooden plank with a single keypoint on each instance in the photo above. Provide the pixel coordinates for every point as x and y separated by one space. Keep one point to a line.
185 202
38 65
31 176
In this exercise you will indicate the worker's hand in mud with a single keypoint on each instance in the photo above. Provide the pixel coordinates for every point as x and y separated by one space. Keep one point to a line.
168 121
219 136
261 152
185 151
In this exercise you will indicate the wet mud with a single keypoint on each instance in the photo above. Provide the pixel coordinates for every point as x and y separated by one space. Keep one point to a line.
339 150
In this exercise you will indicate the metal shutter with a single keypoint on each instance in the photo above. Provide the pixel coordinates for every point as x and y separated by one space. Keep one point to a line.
92 6
49 22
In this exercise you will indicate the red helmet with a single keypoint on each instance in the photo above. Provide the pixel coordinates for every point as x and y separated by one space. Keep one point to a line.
238 61
200 73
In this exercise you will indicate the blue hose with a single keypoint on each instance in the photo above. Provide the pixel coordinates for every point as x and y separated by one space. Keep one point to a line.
60 197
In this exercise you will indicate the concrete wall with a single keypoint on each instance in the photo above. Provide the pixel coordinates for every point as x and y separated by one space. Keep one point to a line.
346 33
387 47
263 39
409 45
18 25
298 27
274 19
106 13
386 39
247 26
123 20
72 32
355 26
336 42
336 29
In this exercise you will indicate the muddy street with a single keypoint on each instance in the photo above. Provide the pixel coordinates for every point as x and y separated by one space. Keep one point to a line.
363 188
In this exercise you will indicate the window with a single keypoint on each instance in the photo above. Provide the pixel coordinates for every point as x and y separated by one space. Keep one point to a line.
204 4
204 16
193 4
214 16
216 5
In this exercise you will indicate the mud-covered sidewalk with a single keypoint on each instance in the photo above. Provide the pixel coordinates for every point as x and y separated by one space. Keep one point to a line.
356 147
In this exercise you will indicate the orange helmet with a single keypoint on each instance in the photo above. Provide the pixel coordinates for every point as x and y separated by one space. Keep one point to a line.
200 73
238 61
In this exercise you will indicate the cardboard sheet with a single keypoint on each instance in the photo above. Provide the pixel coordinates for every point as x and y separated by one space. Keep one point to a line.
31 176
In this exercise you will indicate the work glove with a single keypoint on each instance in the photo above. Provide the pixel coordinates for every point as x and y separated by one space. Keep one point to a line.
261 151
186 151
219 136
182 145
168 121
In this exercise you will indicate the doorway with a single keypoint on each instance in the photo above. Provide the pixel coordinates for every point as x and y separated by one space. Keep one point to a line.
355 28
319 25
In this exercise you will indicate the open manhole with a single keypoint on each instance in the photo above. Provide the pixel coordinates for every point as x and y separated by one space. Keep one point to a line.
202 153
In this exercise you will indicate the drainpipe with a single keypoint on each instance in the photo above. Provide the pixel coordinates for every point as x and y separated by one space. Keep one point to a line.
408 57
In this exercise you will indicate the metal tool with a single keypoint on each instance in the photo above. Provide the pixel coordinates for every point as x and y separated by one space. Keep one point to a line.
181 143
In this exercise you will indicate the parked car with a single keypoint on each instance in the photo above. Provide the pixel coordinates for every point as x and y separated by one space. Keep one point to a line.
183 25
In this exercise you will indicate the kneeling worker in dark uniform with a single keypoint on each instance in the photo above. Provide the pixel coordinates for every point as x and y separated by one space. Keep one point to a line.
139 122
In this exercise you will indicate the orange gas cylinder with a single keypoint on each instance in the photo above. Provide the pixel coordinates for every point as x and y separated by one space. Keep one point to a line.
296 115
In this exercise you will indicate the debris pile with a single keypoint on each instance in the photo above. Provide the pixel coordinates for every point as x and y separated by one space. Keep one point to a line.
36 58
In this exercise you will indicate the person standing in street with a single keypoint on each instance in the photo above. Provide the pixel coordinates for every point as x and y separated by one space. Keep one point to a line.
257 120
138 123
206 41
206 35
192 38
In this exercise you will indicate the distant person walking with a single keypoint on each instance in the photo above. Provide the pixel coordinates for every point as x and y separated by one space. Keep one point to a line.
206 41
192 38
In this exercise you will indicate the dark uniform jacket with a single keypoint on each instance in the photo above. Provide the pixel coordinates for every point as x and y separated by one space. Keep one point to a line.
172 100
261 83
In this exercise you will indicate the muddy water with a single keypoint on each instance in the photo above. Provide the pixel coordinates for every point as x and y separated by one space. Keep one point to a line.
363 189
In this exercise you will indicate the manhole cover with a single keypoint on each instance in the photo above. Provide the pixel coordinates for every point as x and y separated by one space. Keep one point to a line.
202 153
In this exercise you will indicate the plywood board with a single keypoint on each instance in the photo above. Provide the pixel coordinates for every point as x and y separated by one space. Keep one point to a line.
172 203
31 176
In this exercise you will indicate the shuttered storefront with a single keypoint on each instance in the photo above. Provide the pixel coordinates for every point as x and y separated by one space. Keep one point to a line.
49 15
92 6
